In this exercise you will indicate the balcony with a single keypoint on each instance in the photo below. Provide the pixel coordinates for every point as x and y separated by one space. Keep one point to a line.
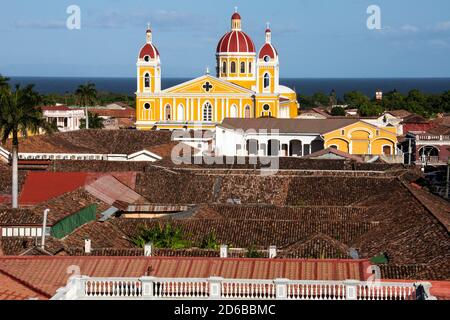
215 288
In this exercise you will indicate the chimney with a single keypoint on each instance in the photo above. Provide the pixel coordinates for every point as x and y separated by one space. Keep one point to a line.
272 252
87 246
148 249
224 251
44 228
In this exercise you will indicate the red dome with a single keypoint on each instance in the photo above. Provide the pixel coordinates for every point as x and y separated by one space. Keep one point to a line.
268 50
236 41
149 50
236 16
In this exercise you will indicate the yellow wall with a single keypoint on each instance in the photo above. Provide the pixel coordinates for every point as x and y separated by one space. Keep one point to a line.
362 138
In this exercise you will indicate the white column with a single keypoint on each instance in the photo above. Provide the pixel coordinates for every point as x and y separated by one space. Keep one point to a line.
241 109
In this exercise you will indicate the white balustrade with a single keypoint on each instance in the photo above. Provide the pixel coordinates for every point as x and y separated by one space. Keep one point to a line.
234 289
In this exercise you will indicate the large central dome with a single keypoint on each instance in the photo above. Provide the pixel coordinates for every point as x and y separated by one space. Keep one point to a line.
236 41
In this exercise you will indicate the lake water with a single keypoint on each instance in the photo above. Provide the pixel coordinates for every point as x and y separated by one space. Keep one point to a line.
368 86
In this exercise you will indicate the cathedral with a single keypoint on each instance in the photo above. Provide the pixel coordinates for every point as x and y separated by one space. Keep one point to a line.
246 85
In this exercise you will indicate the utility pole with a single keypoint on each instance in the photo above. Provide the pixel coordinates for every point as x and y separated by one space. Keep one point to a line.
447 187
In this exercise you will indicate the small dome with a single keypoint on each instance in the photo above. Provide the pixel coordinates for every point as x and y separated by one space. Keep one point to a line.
236 16
149 50
268 50
236 41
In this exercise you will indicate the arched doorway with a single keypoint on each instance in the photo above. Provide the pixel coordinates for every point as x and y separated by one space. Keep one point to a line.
168 112
207 112
295 148
252 147
317 145
180 113
274 148
233 112
429 154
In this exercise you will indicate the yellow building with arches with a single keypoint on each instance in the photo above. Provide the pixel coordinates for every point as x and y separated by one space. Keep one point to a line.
246 85
362 138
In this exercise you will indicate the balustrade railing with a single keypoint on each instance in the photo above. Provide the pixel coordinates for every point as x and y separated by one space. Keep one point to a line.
214 288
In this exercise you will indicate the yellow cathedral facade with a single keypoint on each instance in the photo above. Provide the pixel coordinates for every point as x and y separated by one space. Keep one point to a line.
246 85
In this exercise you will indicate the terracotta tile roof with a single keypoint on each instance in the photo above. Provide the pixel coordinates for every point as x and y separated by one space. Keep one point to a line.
399 113
94 141
13 289
312 126
114 113
335 152
50 273
414 118
441 130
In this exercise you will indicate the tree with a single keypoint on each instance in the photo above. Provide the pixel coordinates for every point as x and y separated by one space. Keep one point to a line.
338 112
356 99
94 121
162 236
369 109
320 99
20 116
3 81
86 95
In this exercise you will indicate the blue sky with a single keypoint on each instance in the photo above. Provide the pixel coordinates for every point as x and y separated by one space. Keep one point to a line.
315 38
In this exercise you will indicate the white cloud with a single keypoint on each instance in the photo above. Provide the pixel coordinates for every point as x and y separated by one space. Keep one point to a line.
409 28
442 26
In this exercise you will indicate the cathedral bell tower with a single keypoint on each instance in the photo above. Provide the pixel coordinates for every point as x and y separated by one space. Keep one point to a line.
148 67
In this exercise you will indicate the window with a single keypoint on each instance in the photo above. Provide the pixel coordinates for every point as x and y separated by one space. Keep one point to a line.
168 112
249 67
233 112
147 106
207 112
224 67
147 58
147 81
334 147
266 81
343 132
233 67
242 67
247 112
180 113
266 107
266 58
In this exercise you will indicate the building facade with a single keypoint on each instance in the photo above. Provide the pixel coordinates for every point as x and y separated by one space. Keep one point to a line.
300 137
66 119
246 85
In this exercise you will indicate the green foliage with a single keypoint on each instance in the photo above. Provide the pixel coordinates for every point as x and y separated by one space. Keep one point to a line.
356 99
86 94
162 236
252 253
338 111
209 241
19 114
95 122
4 81
369 109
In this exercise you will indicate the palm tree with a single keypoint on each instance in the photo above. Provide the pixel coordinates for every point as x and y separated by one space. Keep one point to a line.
86 95
95 122
20 116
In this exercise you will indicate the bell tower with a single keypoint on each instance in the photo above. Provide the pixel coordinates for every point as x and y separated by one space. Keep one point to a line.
148 67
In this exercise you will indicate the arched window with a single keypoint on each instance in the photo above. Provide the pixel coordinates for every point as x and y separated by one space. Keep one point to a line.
250 67
207 112
168 112
180 113
266 81
242 67
233 112
224 67
147 81
233 67
247 112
